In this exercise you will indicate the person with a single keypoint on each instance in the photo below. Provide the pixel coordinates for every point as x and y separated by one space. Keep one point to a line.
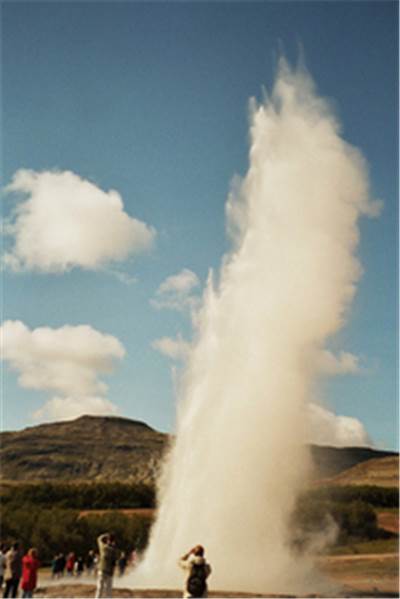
30 566
122 563
61 565
79 566
198 570
70 564
2 563
13 570
55 565
107 560
90 562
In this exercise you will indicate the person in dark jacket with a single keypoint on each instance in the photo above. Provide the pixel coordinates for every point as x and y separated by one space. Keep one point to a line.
198 570
13 571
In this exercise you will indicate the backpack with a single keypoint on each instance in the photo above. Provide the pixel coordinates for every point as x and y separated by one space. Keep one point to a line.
196 583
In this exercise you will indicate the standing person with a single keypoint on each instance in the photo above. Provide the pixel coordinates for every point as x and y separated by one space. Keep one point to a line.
107 560
122 563
13 570
198 570
79 566
2 564
62 564
55 566
90 562
30 566
70 563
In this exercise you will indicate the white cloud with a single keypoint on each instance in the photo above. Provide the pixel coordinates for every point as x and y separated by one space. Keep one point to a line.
68 408
68 222
67 361
327 428
176 292
344 363
176 349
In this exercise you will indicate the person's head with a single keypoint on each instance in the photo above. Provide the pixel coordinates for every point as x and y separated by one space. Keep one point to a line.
33 552
15 546
198 550
111 538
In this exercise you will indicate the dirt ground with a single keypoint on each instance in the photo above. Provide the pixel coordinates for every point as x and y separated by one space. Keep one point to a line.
370 575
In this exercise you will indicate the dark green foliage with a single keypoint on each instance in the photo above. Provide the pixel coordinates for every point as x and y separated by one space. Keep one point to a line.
377 496
56 530
81 496
351 509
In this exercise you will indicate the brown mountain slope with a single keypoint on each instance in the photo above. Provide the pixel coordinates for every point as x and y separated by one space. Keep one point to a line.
107 448
382 472
89 448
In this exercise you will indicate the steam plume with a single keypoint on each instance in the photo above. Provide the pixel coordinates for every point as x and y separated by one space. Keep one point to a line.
240 455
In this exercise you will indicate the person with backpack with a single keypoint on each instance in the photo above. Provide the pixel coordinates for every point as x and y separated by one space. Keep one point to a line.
198 570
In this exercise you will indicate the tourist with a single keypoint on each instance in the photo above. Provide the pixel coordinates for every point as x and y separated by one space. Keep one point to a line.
107 560
30 565
198 570
70 564
79 566
2 564
122 562
13 571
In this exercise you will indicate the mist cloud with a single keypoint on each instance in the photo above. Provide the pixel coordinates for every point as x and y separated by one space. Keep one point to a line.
173 348
68 361
176 292
67 221
281 294
327 428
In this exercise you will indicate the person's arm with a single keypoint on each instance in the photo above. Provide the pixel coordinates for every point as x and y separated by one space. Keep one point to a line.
102 540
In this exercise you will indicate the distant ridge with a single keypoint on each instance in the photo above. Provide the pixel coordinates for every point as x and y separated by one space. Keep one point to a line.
112 448
382 472
329 461
93 448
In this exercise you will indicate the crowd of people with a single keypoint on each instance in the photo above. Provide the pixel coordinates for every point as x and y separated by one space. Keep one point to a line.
19 571
73 565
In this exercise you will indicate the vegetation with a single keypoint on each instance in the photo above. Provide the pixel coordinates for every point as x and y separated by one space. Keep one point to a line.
80 496
57 530
347 513
386 497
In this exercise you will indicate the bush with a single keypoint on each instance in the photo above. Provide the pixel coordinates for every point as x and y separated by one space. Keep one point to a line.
58 530
387 497
355 520
81 496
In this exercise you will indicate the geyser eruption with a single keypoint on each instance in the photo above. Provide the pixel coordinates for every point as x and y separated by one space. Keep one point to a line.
240 457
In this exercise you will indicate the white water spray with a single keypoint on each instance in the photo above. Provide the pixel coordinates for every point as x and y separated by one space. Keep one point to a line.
240 456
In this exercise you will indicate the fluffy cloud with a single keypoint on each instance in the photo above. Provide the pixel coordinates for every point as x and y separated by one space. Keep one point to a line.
176 349
176 292
67 222
344 363
67 361
327 428
68 408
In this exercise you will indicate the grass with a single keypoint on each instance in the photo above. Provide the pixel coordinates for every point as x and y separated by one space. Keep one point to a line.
377 546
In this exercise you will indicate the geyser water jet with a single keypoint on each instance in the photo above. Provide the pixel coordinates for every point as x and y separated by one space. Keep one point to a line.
240 456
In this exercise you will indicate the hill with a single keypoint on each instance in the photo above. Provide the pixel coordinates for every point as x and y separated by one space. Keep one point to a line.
382 472
109 448
91 448
330 461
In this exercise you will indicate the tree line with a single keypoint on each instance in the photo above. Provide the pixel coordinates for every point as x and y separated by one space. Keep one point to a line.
81 496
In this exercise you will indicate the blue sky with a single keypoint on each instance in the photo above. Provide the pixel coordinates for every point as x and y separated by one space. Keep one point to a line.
151 99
